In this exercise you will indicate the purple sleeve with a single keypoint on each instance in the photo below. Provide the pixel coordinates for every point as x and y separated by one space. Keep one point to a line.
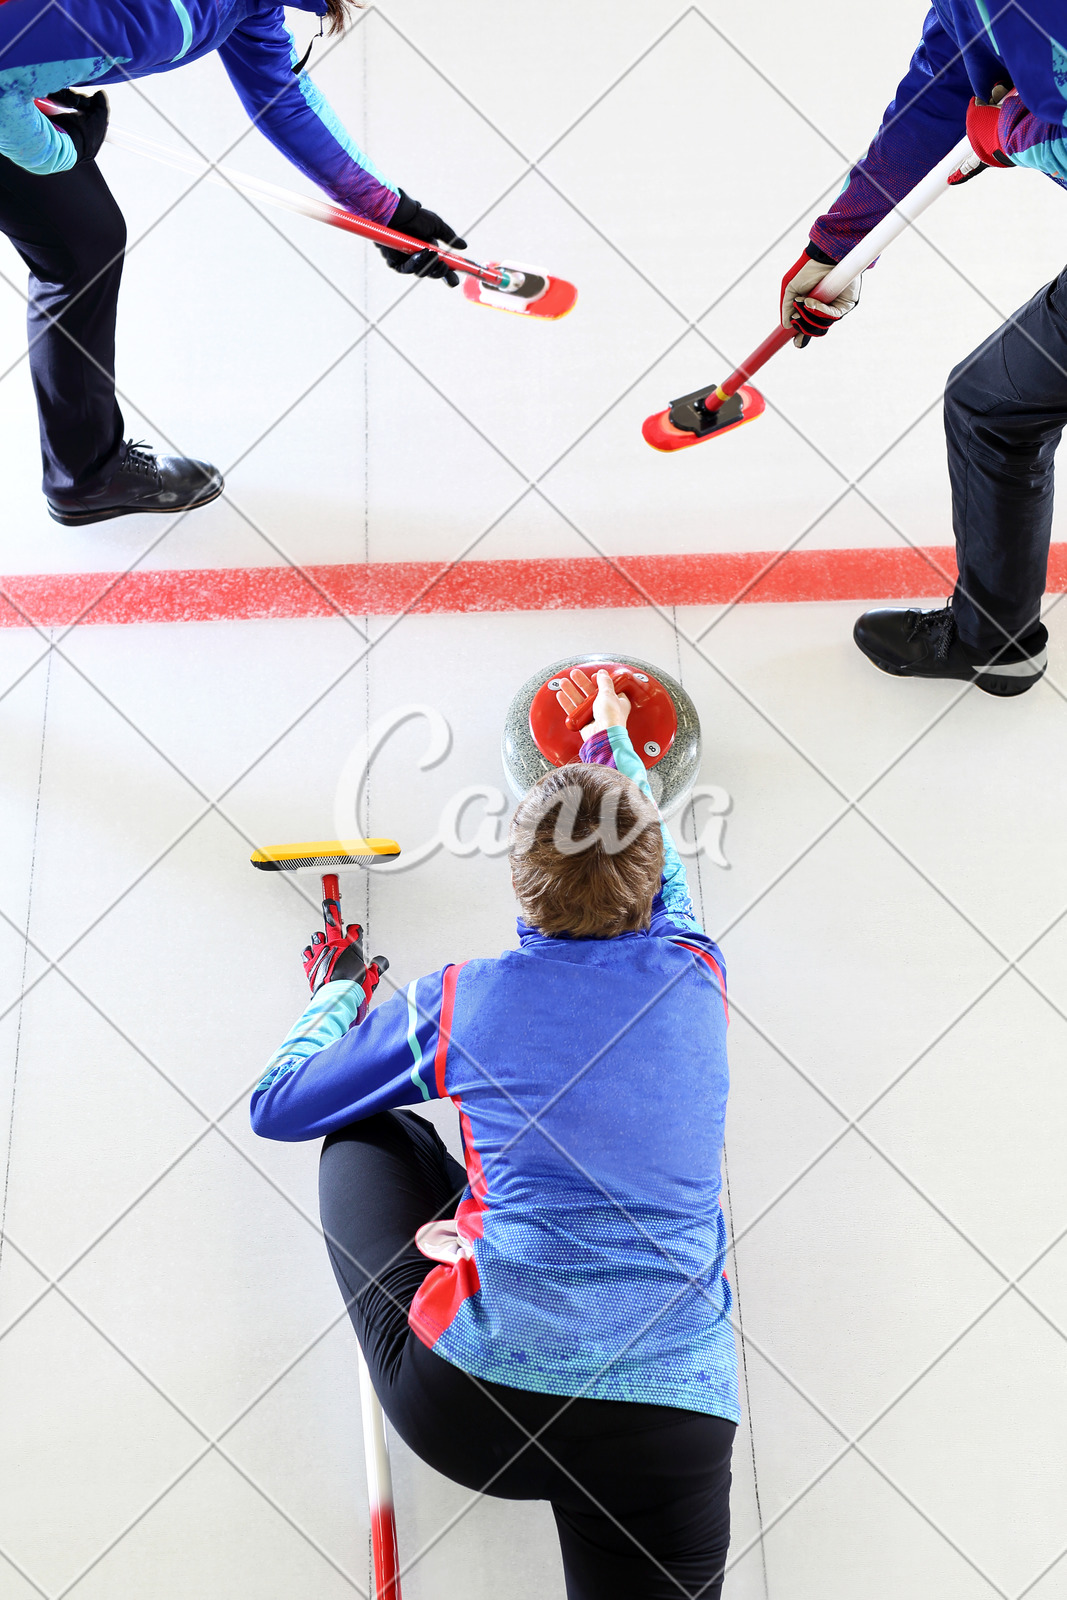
296 117
1032 142
926 117
596 752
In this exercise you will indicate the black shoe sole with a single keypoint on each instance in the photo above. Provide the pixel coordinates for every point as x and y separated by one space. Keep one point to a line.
78 519
1006 688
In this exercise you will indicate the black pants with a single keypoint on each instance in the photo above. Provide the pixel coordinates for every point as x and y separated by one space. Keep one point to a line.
70 233
640 1493
1005 408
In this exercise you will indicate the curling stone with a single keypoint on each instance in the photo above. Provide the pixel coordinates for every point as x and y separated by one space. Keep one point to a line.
663 725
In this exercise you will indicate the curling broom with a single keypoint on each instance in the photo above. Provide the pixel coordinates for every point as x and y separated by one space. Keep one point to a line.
338 853
709 413
526 291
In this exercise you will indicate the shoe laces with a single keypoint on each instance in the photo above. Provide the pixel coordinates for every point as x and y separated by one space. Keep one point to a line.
139 458
941 625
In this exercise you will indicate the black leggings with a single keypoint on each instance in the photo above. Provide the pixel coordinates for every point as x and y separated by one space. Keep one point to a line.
641 1493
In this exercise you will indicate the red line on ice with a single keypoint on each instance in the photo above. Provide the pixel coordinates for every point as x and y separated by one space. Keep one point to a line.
387 588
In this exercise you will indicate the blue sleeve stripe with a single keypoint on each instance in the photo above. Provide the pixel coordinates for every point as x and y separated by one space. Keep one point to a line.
987 23
186 27
318 103
413 1038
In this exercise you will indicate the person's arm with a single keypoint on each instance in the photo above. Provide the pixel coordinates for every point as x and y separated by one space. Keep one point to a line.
36 142
611 747
606 743
1027 129
259 57
926 117
673 916
327 1073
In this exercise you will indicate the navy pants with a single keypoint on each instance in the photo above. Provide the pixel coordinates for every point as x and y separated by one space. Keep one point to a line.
71 235
1005 408
640 1493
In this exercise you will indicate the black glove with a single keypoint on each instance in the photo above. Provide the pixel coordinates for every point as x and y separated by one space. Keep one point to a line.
87 123
418 223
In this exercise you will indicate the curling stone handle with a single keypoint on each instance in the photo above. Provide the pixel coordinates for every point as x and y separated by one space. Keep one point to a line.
625 683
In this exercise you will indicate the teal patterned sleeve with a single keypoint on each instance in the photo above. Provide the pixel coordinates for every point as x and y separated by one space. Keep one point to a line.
674 895
327 1017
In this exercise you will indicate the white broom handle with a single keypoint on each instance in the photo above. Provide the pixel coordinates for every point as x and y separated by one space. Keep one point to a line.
379 1489
226 177
902 216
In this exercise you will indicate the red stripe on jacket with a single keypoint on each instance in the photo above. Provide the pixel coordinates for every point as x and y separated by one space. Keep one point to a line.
446 1287
444 1032
714 965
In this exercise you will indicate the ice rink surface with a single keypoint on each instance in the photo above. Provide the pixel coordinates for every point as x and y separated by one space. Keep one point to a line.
177 1379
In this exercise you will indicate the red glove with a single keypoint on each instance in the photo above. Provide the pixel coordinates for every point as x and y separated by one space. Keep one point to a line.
337 956
983 130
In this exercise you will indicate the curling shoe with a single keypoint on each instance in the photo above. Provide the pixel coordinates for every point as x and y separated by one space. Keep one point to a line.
926 644
142 482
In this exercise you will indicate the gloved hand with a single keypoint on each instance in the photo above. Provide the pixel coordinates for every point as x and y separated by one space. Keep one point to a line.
86 123
337 956
413 219
983 130
810 318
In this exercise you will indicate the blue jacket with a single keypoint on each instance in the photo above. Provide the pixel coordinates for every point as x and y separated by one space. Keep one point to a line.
47 48
590 1077
967 47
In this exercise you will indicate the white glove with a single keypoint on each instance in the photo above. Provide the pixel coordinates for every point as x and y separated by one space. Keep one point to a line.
811 318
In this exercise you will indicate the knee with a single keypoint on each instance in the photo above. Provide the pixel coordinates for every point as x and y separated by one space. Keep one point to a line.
91 246
100 244
964 391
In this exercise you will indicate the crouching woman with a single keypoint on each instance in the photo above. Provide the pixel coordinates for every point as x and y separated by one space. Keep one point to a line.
552 1323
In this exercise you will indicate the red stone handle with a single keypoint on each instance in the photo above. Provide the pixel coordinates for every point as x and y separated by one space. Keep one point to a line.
625 683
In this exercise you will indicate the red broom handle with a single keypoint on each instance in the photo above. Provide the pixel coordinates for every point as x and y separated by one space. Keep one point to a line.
762 354
925 192
321 210
378 233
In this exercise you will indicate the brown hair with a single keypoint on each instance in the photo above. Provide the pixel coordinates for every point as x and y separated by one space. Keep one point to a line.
586 854
337 13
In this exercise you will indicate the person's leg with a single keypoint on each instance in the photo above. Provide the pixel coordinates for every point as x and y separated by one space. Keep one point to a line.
640 1493
1005 408
71 234
379 1181
644 1514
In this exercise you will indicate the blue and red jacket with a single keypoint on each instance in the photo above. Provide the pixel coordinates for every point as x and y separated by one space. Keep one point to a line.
590 1076
45 48
967 47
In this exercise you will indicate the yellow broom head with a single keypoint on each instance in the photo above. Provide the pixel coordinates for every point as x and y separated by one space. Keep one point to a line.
325 853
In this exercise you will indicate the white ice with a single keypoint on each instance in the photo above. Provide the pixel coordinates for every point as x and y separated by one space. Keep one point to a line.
178 1389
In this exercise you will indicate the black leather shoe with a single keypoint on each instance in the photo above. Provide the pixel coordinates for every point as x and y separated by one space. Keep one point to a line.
142 481
926 644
